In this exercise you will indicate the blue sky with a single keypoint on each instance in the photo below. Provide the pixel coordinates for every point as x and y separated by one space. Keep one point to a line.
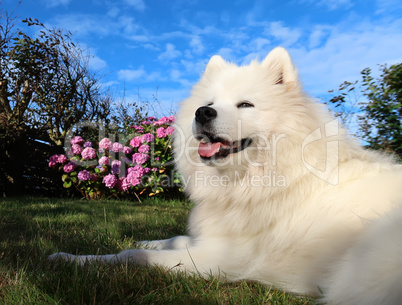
144 47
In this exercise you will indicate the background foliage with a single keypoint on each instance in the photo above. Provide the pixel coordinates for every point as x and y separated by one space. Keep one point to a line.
46 87
375 104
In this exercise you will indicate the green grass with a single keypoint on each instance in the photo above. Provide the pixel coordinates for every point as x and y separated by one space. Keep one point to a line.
33 228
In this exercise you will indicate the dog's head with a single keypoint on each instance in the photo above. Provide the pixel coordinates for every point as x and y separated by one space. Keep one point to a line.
233 110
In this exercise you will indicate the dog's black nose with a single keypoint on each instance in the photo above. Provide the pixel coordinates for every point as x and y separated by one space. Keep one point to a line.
205 114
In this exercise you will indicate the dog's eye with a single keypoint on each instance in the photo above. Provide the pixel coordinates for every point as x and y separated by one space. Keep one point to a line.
244 104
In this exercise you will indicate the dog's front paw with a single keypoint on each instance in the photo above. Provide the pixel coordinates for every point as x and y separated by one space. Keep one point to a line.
62 256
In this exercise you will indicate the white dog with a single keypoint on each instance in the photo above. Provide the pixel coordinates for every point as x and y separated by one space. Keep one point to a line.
283 196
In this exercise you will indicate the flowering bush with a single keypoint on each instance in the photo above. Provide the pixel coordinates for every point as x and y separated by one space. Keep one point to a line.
140 164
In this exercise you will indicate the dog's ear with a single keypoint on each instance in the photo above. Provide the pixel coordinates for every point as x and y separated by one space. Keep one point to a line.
216 62
280 65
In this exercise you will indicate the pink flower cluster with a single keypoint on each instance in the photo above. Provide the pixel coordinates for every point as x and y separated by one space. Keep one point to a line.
88 153
162 132
110 180
109 160
55 159
164 120
139 158
104 160
84 175
145 138
69 167
77 140
105 143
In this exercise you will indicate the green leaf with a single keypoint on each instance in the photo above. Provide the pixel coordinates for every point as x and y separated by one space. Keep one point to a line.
67 184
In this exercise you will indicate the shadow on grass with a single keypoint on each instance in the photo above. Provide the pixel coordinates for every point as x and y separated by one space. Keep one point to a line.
33 228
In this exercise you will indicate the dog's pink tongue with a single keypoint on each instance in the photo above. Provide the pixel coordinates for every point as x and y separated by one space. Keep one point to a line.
208 149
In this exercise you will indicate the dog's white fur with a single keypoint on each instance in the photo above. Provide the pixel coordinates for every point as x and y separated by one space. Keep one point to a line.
304 207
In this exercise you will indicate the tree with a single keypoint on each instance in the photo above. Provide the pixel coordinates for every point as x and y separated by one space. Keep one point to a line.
379 114
46 86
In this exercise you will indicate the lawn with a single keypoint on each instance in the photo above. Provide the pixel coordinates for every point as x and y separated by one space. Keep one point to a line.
33 228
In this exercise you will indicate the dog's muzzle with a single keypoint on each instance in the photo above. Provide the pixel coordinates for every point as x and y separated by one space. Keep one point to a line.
212 146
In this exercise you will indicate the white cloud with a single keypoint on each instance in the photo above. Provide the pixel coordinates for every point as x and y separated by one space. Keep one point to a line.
169 53
84 24
383 6
259 43
150 46
318 35
346 53
113 12
197 45
139 5
96 63
336 4
129 75
194 67
285 35
331 5
140 75
87 24
226 53
175 74
55 3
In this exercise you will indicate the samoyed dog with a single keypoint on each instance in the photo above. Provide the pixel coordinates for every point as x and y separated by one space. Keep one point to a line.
282 194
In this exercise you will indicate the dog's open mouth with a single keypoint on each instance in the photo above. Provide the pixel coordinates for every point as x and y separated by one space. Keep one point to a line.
215 147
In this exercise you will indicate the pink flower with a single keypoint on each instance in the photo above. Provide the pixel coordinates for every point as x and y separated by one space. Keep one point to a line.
88 153
143 149
110 180
116 147
105 143
94 177
84 175
135 142
52 162
123 184
138 128
104 161
127 150
148 137
160 132
77 140
151 118
69 167
140 158
76 149
116 163
165 120
62 159
133 179
147 170
136 171
58 158
87 144
162 120
169 130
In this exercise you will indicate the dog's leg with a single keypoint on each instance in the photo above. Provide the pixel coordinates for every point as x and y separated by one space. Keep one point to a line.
193 259
178 242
